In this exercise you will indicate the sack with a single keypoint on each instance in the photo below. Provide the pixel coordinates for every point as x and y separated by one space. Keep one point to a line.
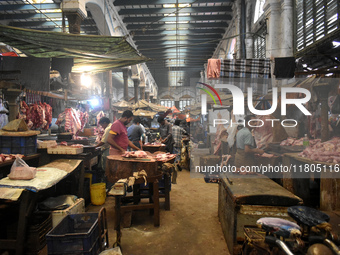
21 171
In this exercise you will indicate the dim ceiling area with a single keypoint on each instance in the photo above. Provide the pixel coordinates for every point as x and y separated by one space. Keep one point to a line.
178 36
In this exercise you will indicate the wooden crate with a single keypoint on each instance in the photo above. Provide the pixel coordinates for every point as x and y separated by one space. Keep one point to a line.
245 201
64 150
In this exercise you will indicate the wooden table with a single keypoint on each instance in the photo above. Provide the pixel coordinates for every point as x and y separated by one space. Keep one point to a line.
300 184
27 198
118 167
153 148
88 157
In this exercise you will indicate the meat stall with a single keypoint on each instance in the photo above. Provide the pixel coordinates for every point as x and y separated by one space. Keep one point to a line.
319 163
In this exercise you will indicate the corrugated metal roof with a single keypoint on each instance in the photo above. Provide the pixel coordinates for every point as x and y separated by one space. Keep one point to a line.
90 52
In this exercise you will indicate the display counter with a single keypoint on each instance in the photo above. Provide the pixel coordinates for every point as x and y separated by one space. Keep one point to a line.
307 170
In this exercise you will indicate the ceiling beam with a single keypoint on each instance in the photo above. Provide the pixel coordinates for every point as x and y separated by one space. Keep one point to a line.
22 17
183 51
174 32
183 43
27 7
153 2
179 38
147 27
213 18
134 11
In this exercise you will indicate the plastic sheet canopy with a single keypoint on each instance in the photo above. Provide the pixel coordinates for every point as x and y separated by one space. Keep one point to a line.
91 53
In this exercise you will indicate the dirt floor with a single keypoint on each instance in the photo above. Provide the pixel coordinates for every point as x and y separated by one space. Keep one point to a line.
190 227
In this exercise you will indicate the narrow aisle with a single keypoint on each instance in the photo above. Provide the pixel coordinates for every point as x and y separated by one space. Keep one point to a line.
190 227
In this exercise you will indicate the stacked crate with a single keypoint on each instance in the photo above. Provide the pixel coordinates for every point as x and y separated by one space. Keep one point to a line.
25 145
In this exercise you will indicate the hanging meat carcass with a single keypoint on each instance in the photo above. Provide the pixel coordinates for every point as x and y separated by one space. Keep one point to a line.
75 120
36 116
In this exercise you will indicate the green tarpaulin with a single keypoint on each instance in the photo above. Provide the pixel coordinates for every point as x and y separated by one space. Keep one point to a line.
92 53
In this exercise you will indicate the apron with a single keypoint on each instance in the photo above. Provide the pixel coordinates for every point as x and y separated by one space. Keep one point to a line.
244 159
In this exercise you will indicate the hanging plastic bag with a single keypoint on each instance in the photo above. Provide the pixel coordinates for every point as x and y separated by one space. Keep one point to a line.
21 171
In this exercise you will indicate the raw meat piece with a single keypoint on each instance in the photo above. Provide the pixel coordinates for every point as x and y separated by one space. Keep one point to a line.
77 146
324 152
22 173
165 156
135 154
75 120
267 155
140 154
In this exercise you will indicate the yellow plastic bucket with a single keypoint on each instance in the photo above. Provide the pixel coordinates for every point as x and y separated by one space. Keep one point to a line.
98 193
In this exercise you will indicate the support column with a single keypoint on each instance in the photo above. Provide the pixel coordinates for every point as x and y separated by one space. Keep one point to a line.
323 91
273 40
74 22
272 11
147 96
135 85
126 83
75 12
287 29
249 37
142 93
142 90
109 91
237 14
11 96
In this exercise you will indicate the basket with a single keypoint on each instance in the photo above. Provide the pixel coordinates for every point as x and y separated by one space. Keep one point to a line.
39 225
76 233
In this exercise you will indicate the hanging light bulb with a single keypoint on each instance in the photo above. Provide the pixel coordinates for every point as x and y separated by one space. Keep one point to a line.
86 80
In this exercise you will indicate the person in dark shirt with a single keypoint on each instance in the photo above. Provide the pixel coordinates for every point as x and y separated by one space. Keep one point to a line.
135 132
165 132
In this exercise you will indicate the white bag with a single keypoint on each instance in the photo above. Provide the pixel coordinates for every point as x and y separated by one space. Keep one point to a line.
21 171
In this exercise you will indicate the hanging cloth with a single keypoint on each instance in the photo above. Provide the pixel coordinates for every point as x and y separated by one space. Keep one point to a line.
284 67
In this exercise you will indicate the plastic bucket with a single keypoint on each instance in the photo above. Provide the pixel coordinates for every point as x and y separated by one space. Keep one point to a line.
98 193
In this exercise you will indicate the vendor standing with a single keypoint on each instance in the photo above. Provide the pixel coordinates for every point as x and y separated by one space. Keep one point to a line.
246 147
165 132
118 138
106 125
135 132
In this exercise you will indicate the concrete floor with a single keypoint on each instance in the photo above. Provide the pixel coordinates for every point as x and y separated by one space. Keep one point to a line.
190 227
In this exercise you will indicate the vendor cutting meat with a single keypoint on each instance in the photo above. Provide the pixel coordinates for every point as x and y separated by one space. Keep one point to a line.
118 138
246 147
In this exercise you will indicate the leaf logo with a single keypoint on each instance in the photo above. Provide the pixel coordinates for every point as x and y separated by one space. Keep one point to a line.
209 93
